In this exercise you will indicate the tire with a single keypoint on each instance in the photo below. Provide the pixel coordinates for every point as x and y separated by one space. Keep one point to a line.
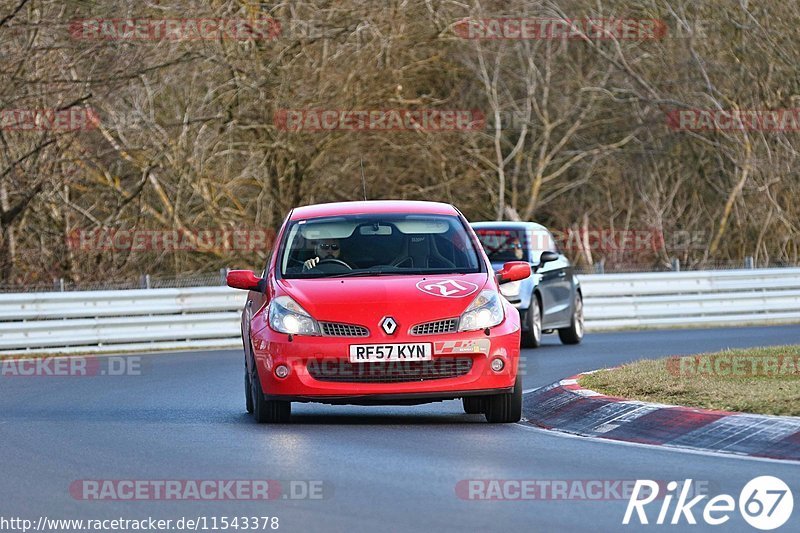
268 411
533 337
248 382
574 333
473 405
505 408
248 392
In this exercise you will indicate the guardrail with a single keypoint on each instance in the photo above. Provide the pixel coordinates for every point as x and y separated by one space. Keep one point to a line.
205 317
708 298
122 320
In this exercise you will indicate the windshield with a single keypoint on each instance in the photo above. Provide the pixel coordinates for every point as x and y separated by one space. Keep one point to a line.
367 245
503 245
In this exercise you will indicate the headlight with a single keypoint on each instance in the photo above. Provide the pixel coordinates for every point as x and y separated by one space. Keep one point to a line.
286 316
511 290
484 312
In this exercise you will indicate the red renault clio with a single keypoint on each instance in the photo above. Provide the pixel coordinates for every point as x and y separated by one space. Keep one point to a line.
380 302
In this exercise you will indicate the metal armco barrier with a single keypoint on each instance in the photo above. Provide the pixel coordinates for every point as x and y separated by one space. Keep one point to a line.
701 298
121 320
208 317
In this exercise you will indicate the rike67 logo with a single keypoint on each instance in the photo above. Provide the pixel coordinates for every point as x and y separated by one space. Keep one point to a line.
765 502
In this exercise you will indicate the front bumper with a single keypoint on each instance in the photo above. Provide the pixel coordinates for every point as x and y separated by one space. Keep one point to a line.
301 353
389 399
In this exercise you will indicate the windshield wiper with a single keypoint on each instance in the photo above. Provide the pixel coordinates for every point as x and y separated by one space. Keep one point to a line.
396 272
356 273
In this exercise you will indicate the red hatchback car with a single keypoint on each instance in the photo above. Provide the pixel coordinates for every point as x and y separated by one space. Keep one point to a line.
380 302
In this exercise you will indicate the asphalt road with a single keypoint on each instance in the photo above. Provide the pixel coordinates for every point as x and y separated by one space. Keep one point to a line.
382 468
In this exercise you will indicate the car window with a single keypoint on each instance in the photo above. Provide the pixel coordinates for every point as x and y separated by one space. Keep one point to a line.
541 240
377 244
503 245
553 245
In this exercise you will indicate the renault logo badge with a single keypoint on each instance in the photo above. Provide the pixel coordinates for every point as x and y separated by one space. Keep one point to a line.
389 325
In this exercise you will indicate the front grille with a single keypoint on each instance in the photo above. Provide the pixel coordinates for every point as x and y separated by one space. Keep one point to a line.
448 325
343 371
335 329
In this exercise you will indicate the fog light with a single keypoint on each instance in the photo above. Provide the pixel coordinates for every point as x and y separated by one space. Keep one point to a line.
281 371
498 364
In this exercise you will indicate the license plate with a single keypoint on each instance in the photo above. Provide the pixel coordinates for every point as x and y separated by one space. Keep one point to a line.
370 353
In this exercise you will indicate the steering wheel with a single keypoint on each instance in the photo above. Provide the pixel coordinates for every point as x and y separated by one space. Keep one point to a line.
334 261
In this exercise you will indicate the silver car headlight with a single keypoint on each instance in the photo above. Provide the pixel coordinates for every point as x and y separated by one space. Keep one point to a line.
511 290
484 312
287 316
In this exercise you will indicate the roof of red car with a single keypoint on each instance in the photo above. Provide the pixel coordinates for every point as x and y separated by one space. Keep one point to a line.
372 207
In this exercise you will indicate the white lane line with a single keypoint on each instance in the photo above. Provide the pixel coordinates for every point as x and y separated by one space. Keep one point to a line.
530 390
525 425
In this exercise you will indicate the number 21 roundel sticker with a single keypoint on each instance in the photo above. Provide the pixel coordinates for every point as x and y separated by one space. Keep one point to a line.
447 288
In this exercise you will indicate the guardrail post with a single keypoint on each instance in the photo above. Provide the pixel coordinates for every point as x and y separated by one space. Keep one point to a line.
676 265
600 268
223 275
748 262
144 281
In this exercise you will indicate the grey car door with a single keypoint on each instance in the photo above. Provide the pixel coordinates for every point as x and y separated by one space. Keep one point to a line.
555 288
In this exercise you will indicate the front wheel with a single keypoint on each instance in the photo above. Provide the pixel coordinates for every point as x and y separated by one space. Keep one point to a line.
505 408
574 333
268 411
248 392
473 405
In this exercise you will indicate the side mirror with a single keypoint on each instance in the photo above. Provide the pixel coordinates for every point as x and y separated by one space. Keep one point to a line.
513 271
547 257
243 279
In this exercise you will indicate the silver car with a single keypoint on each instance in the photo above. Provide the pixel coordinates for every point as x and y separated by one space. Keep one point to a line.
548 301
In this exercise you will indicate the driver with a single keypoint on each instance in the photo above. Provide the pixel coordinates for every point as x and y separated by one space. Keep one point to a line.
519 253
324 249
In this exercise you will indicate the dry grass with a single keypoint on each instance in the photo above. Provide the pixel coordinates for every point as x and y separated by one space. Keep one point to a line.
723 380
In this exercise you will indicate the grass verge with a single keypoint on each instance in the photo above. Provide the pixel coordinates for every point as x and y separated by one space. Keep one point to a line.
756 380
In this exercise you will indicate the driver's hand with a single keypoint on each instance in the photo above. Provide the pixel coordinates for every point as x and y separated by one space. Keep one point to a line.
310 263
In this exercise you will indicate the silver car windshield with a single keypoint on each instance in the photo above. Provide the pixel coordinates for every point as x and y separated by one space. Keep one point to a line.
503 245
